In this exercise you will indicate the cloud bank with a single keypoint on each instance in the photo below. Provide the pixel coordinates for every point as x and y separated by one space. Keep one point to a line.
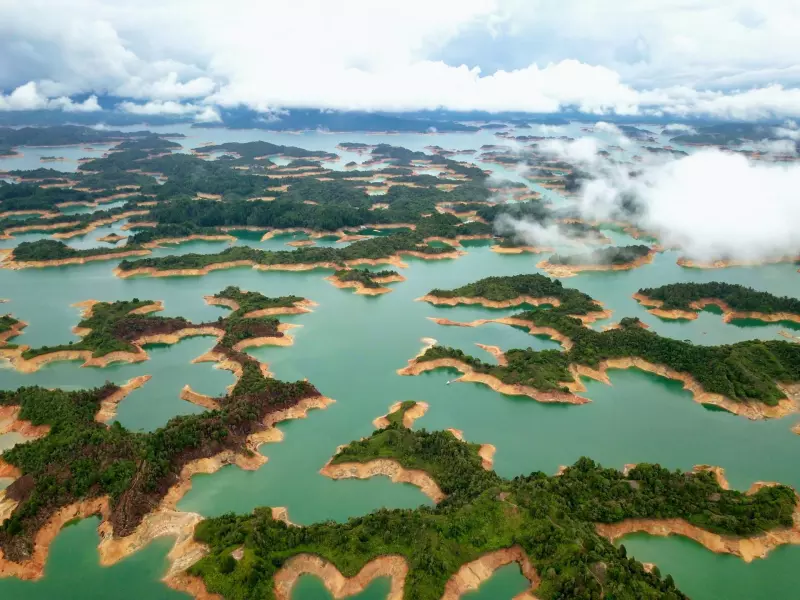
710 204
497 55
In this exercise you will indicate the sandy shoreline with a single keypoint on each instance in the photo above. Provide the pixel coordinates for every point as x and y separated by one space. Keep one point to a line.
154 272
389 468
746 548
468 578
471 376
555 335
75 260
753 411
23 365
723 264
456 300
392 566
190 238
108 406
362 289
590 317
299 307
728 314
520 249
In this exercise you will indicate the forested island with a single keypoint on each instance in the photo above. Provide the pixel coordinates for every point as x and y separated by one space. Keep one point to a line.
744 378
546 523
365 282
685 300
513 290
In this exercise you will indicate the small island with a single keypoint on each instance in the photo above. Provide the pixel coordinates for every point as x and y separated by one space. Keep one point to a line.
685 300
365 282
726 376
615 258
555 526
515 290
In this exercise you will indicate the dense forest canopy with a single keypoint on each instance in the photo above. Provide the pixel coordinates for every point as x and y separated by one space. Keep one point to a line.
550 517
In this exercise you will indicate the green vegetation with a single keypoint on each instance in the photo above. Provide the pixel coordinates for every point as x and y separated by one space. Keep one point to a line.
7 322
613 255
113 327
55 250
364 276
81 459
375 248
248 151
681 295
551 517
251 301
66 135
169 231
744 372
509 287
396 417
70 222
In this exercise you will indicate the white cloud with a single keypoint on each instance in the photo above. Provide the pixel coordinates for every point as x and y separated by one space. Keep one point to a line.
711 204
681 127
171 108
29 97
550 129
625 58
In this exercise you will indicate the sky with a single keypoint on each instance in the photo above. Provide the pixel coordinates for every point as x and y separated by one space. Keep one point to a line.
674 58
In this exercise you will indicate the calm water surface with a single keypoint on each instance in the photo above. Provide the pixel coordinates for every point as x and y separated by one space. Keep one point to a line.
350 348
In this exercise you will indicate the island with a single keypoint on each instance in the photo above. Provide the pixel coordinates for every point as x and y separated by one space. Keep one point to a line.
685 300
515 290
615 258
756 379
117 331
552 525
365 282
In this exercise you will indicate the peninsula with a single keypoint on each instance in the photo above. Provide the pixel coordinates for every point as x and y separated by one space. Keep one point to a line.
685 300
757 379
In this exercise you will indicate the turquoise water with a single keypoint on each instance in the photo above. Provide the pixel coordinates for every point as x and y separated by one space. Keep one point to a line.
351 346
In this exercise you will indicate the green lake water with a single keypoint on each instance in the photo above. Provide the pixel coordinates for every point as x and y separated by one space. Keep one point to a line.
350 348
